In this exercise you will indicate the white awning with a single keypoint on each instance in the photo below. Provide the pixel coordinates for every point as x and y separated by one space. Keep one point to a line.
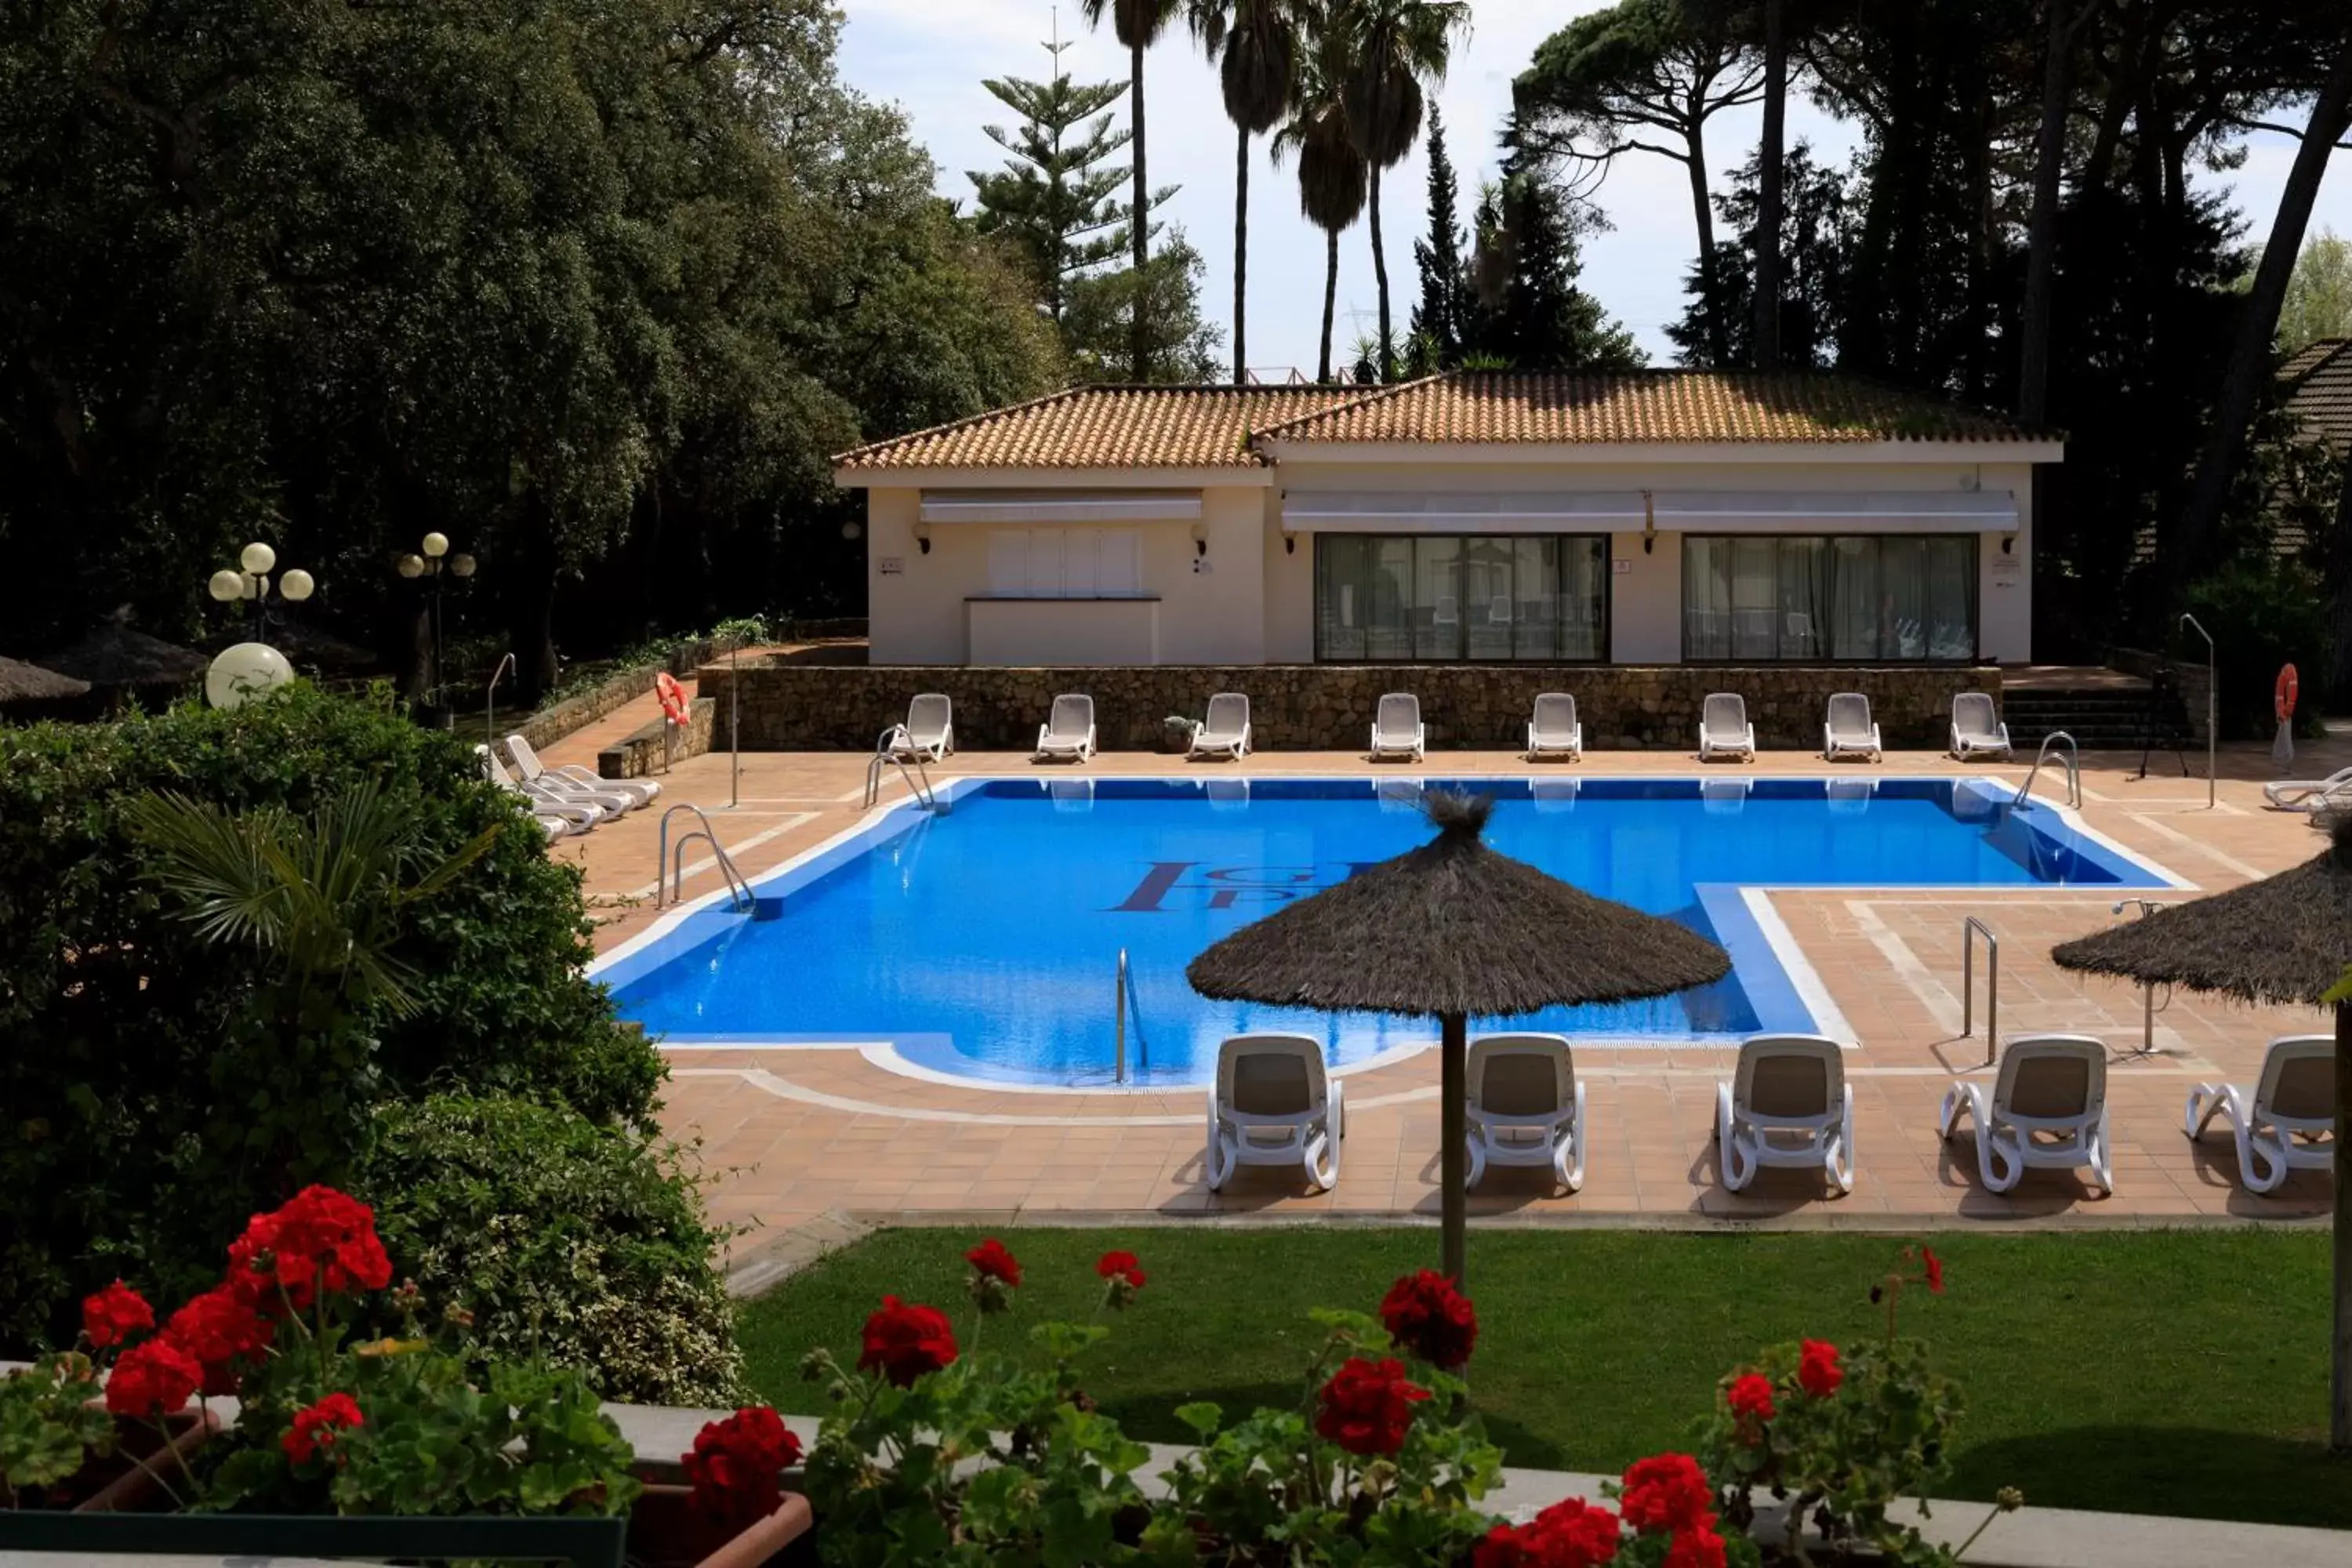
1675 511
1028 508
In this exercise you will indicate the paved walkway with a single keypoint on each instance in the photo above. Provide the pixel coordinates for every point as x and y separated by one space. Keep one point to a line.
788 1135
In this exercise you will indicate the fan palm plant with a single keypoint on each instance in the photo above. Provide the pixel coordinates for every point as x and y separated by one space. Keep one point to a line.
1255 45
1332 174
1391 49
1138 23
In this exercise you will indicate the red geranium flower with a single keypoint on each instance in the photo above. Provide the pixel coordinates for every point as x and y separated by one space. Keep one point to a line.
1751 1394
1700 1548
1426 1314
1935 1267
736 1464
1572 1533
904 1342
114 1314
318 1239
220 1328
991 1260
1367 1405
1668 1492
315 1428
1125 1277
1818 1370
152 1379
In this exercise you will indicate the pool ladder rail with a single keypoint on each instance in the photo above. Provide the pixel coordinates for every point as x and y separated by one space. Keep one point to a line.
892 751
2071 757
669 866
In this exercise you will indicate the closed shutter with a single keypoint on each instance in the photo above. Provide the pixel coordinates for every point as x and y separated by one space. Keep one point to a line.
1008 563
1121 562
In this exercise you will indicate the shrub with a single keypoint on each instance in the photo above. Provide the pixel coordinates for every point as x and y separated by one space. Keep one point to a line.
131 1062
581 1242
2262 613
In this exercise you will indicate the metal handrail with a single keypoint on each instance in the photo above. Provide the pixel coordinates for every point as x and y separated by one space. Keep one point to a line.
887 751
490 702
669 870
1970 931
1119 1061
2072 758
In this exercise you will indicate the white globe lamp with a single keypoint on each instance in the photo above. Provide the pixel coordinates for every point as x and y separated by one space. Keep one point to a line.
410 565
295 586
258 558
227 587
437 545
244 671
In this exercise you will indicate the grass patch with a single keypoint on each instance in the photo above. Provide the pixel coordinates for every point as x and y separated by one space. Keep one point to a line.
2177 1373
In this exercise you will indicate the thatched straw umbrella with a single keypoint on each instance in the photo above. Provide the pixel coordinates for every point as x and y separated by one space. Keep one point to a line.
114 655
22 682
1450 930
2285 940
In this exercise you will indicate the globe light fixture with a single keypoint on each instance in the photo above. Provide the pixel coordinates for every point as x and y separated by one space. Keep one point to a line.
245 671
295 586
410 566
437 545
258 559
461 566
250 579
852 529
432 561
226 586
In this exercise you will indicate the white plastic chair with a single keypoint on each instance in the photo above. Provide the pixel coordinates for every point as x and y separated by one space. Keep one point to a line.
1848 730
1526 1106
1274 1104
1788 1104
573 779
2048 1109
2288 1123
579 813
1397 729
1723 730
1975 731
1068 732
1227 732
1555 731
929 733
2306 795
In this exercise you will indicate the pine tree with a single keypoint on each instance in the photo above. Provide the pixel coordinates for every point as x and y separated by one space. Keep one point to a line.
1528 313
1054 197
1439 320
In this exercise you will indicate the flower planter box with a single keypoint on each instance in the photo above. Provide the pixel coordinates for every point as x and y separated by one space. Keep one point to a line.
126 1482
666 1531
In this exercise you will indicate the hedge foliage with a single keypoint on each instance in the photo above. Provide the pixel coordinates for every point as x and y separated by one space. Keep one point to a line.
130 1060
581 1241
2262 613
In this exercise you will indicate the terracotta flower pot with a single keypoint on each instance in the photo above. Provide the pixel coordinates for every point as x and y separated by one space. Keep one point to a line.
117 1484
666 1531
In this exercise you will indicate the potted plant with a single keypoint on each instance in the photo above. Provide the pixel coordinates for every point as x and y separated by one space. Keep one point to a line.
59 1445
1176 734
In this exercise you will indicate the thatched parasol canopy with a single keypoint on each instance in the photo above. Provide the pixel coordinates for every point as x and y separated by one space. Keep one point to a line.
114 655
1454 928
2285 939
22 682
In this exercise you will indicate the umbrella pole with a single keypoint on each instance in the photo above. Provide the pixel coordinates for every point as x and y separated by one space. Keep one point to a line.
2339 1401
1453 1105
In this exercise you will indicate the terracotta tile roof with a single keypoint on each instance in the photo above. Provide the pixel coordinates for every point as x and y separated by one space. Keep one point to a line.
1105 428
1662 406
2306 360
2322 398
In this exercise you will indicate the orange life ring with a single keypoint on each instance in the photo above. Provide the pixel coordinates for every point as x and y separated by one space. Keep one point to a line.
2283 698
673 697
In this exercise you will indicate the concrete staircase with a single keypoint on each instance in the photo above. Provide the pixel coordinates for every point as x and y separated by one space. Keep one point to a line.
2103 711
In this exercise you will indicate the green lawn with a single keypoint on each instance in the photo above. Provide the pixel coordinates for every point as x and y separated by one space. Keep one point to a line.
2181 1372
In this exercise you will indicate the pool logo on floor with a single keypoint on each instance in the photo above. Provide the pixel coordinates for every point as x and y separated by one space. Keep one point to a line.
1227 887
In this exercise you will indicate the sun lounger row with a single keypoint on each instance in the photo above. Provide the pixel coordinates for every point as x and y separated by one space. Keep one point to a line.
1553 730
1787 1104
565 800
2321 800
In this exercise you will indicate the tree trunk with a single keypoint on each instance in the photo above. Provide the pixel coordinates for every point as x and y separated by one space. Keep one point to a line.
1241 254
1139 335
2340 1388
2250 361
1770 197
1331 300
1718 342
1380 276
532 613
1452 1104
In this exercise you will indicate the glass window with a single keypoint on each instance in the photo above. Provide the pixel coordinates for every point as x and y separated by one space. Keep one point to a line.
1852 597
1389 586
1342 567
1536 596
1437 598
1490 609
1583 599
1430 598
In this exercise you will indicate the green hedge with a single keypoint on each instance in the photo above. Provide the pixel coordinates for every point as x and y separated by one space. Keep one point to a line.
582 1242
128 1061
2262 613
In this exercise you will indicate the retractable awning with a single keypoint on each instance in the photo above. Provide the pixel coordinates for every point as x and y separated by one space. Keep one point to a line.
1029 508
1674 511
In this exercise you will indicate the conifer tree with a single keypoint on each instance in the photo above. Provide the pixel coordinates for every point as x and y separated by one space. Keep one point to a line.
1439 320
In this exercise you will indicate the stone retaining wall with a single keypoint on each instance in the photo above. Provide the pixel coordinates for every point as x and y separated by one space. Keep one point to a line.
1328 707
615 690
640 754
2190 680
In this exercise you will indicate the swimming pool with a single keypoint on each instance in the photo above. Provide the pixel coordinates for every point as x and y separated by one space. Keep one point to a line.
984 942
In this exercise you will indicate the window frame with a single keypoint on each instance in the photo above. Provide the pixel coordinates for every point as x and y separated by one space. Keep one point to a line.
1602 543
1823 633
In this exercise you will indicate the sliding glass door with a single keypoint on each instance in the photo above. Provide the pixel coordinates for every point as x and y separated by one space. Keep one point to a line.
1445 598
1864 598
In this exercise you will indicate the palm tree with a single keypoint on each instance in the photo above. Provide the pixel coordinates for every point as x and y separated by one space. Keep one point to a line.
1332 176
1138 23
1255 46
1392 48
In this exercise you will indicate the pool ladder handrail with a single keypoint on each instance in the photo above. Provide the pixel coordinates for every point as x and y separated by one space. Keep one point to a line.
1971 930
669 868
2071 757
892 749
1118 1058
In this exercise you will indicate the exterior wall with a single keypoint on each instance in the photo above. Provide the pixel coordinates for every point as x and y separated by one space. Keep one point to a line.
1646 599
1328 707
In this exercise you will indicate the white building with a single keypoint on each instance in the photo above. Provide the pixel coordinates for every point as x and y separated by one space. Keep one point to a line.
1649 518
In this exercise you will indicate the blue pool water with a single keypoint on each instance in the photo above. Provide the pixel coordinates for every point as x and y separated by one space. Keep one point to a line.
984 941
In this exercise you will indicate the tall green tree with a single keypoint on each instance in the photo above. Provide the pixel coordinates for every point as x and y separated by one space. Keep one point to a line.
1530 314
1255 45
1333 178
1138 24
1440 318
2318 302
1392 50
1817 246
1181 348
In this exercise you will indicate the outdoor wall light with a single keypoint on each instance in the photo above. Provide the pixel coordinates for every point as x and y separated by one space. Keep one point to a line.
1200 541
2008 543
923 537
1290 544
1649 523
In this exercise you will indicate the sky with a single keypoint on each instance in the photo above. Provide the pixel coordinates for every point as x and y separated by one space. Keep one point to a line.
929 57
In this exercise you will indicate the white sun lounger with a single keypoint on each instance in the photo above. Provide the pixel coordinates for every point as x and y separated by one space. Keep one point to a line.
1723 730
1068 732
1849 730
1526 1106
2308 794
1788 1104
2288 1123
1274 1104
575 778
555 786
1227 732
1397 729
1975 732
2048 1109
929 733
1555 731
580 814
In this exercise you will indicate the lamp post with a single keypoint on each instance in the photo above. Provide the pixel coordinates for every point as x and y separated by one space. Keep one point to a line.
250 579
432 561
